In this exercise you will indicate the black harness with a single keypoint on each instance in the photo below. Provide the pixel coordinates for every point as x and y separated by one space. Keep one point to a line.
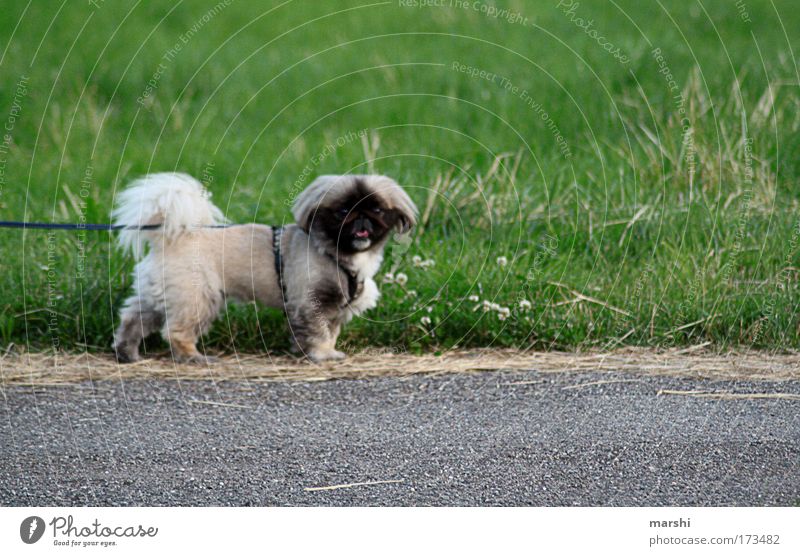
277 232
354 286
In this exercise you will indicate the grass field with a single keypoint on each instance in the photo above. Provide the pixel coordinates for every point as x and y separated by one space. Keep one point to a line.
589 174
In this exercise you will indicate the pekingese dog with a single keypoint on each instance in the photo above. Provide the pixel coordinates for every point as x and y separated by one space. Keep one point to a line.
319 270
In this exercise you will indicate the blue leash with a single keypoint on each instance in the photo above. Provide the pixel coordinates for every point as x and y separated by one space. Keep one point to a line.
56 226
93 227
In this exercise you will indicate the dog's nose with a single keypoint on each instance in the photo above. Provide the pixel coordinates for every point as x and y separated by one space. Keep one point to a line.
363 224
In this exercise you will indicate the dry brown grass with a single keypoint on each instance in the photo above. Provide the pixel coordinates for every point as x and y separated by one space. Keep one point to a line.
55 369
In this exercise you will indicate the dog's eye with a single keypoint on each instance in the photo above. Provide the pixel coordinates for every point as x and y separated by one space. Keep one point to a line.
377 210
343 212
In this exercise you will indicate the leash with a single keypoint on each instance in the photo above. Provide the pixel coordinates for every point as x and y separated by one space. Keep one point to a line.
57 226
92 227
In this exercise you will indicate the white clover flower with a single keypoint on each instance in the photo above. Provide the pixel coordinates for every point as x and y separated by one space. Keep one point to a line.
420 263
429 308
504 311
401 279
502 261
426 320
412 293
487 304
501 316
474 298
388 278
525 305
494 306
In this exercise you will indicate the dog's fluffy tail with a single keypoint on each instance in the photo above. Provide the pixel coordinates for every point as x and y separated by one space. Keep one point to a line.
175 201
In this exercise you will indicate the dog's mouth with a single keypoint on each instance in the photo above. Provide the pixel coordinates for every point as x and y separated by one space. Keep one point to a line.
362 234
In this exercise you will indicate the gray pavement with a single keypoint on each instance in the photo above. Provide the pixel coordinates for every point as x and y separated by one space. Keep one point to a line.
502 438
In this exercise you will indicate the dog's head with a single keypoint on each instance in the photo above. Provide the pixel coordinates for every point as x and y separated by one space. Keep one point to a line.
354 213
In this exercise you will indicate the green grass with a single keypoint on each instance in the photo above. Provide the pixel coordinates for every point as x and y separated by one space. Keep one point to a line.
616 233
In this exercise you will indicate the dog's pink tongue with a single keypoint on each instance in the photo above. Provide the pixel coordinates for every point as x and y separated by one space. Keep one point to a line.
362 233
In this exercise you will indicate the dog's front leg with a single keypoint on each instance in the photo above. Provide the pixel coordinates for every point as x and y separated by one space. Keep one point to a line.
315 333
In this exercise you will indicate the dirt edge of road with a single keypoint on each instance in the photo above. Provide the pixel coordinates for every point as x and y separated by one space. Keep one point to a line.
34 369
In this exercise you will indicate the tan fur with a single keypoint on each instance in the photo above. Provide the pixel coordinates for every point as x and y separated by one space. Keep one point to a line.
182 284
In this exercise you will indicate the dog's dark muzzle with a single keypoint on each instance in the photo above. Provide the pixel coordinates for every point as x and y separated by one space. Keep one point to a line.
362 228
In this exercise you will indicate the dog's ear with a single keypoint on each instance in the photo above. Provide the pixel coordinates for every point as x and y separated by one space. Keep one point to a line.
311 198
405 222
399 201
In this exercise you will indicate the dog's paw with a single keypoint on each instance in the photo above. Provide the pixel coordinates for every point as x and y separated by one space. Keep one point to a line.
126 356
197 359
320 355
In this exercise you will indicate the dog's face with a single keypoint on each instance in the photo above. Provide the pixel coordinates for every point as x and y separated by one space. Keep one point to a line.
358 221
354 213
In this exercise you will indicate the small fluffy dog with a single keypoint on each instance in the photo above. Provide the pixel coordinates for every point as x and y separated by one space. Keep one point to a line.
318 270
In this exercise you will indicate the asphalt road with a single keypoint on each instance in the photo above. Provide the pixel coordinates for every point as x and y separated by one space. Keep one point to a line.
521 438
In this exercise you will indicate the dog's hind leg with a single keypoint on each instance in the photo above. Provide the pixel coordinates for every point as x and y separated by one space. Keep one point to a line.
184 348
138 320
189 316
